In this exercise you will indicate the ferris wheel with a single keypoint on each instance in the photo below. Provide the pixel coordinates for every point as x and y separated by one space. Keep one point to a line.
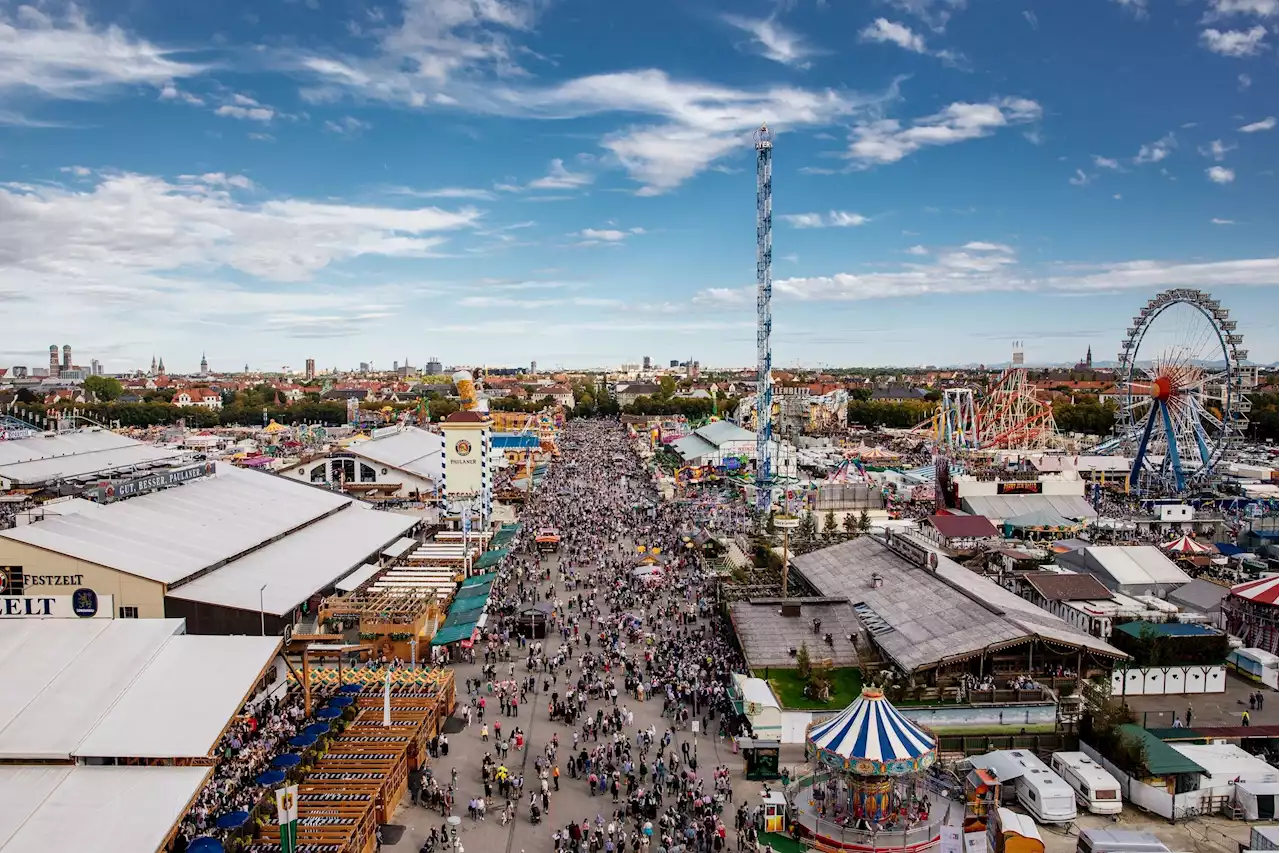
1180 390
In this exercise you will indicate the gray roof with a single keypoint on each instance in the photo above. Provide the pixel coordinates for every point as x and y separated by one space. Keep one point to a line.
767 636
171 534
75 454
1201 596
719 432
920 618
410 449
1011 506
692 446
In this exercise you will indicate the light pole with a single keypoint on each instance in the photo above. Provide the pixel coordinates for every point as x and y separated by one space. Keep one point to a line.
262 613
785 523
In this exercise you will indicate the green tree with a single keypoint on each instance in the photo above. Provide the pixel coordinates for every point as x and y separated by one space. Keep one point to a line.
864 522
668 384
808 528
829 527
103 388
804 665
850 524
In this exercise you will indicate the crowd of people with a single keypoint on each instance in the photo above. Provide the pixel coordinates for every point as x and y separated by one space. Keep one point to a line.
259 733
616 636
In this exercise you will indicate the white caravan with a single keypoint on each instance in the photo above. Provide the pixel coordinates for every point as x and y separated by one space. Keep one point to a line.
1040 791
1095 789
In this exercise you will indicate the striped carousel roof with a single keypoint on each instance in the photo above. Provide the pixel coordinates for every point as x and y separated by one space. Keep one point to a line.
871 729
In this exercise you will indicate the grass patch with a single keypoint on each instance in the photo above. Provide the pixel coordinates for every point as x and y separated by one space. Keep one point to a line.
788 686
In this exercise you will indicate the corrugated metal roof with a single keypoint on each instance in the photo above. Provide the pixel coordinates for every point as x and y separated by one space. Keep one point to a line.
1134 565
719 432
1161 758
692 446
1001 507
301 564
411 449
86 464
62 445
174 533
933 616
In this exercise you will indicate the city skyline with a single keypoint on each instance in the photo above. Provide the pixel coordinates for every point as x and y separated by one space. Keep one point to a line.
552 181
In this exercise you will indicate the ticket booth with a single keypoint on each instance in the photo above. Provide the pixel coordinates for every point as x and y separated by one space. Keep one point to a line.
775 811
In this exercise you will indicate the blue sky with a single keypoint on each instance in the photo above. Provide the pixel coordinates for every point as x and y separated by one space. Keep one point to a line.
495 181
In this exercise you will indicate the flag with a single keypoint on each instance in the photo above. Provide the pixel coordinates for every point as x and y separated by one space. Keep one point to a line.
287 808
386 700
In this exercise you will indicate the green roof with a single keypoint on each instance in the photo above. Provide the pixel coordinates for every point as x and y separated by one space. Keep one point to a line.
453 634
463 617
473 592
1161 759
467 605
489 559
488 577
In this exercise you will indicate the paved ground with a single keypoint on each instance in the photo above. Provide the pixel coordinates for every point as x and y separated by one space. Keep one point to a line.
572 802
1208 709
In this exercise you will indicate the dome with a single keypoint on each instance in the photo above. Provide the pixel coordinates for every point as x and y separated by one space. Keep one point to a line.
871 738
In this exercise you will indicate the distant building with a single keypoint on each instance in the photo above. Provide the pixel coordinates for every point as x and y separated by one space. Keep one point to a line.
533 367
18 371
675 362
364 367
310 371
204 365
1087 364
628 394
66 356
201 397
95 367
434 367
73 374
54 367
648 363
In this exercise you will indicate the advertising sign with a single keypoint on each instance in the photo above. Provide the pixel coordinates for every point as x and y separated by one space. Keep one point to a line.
1020 487
84 603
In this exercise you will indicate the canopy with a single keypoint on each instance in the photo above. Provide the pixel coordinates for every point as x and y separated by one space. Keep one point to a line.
233 820
1041 519
477 580
1264 591
303 741
271 777
205 844
288 759
472 592
329 713
1186 545
340 701
317 729
489 559
453 634
351 688
870 738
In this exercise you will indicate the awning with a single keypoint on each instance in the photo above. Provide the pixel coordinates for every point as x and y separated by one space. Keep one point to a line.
400 547
490 559
453 634
489 577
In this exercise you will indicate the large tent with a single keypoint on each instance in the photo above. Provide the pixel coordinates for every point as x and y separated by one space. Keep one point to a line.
1249 612
1041 523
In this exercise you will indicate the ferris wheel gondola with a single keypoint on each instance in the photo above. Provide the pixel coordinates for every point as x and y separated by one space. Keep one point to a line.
1181 391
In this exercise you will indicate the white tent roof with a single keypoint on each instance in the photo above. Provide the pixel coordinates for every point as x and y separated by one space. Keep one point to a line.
103 809
359 576
174 533
410 449
52 700
181 702
299 565
399 548
1226 761
1134 565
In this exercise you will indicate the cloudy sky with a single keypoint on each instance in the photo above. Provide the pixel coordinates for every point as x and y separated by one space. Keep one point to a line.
572 181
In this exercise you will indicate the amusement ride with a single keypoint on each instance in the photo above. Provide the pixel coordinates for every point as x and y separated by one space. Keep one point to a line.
1182 391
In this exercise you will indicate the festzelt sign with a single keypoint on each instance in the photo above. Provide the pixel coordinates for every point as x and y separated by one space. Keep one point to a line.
81 604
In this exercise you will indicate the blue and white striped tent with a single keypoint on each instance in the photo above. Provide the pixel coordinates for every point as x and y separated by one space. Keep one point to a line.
871 738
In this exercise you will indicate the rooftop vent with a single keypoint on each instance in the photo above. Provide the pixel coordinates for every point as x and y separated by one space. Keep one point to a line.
792 610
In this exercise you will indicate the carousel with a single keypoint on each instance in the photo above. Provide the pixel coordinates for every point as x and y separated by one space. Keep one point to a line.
864 790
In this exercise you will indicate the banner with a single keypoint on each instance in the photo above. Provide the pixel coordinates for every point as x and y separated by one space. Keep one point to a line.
1019 487
287 808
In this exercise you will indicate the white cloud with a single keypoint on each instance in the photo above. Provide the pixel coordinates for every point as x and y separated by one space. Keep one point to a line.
917 250
1236 43
1156 151
598 236
1031 19
560 178
1105 162
1217 221
170 92
979 246
887 32
65 56
773 40
446 192
1137 7
1217 149
833 219
347 126
1244 81
1219 9
1117 196
1268 123
245 108
887 141
1220 174
130 224
1079 179
964 274
934 13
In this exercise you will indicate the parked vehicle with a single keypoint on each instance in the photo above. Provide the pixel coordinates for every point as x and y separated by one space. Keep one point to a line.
1095 789
1040 791
1118 841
